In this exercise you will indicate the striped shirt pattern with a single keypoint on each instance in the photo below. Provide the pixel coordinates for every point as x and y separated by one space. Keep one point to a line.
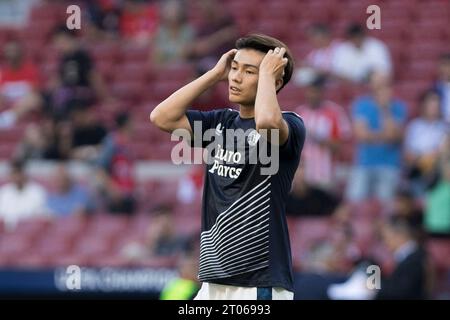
239 240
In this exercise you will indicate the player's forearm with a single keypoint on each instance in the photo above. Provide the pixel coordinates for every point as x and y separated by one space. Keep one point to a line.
175 106
267 110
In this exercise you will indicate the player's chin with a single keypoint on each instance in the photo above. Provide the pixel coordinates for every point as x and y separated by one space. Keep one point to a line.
235 98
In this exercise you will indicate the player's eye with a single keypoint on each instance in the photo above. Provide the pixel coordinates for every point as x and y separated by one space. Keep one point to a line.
249 72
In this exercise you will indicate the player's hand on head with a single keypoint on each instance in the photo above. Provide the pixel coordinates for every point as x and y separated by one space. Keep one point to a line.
273 63
222 68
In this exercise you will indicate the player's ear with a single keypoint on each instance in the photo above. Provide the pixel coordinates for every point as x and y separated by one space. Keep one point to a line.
278 83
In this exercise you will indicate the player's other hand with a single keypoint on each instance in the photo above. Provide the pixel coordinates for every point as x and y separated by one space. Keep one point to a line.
223 66
273 63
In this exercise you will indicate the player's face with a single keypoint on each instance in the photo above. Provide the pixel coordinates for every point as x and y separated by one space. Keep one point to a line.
243 77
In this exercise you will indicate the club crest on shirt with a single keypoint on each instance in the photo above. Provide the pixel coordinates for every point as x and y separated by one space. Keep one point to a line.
253 138
219 129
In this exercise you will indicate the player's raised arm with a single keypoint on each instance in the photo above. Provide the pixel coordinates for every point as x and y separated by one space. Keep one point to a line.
267 110
171 113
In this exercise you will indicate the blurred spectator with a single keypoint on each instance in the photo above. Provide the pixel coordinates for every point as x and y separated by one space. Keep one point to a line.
308 200
19 85
437 212
116 178
214 37
410 277
319 60
87 133
409 280
443 85
15 13
139 20
404 205
161 239
190 185
328 128
174 34
378 126
104 16
423 138
361 55
20 199
49 141
338 252
186 285
76 78
69 197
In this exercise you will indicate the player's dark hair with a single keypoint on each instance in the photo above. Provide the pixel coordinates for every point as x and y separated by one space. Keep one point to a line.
263 43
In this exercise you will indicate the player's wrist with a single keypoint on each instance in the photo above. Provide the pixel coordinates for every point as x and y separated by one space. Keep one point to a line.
214 75
266 75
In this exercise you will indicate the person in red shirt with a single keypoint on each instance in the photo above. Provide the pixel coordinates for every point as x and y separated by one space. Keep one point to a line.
116 165
139 21
328 126
19 84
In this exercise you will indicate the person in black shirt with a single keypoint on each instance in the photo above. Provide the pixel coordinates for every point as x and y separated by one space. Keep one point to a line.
76 78
244 246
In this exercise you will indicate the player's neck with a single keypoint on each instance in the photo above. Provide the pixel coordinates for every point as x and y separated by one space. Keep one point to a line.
246 111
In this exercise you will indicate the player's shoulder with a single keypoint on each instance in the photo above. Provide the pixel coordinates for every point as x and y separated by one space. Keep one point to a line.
295 122
291 115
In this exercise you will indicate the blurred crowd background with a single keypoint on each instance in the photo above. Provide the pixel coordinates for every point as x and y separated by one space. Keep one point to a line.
85 179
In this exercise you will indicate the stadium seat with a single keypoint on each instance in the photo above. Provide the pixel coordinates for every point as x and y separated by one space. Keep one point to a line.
32 228
104 224
13 246
157 262
439 250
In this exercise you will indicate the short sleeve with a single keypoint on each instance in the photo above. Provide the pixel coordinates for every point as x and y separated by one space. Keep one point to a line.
105 157
201 121
296 137
399 113
359 110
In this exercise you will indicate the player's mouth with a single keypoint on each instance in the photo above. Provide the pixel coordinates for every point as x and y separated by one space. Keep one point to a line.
234 90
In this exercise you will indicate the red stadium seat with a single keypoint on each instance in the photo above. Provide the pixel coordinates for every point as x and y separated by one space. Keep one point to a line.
32 228
157 262
68 226
33 260
13 246
178 72
130 52
104 51
68 259
92 246
129 90
130 72
112 261
439 250
52 245
108 225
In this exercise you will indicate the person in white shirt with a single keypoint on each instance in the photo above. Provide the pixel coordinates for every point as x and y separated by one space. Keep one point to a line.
423 141
319 61
360 55
21 199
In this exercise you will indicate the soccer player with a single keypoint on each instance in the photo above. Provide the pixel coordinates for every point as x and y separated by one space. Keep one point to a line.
244 246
